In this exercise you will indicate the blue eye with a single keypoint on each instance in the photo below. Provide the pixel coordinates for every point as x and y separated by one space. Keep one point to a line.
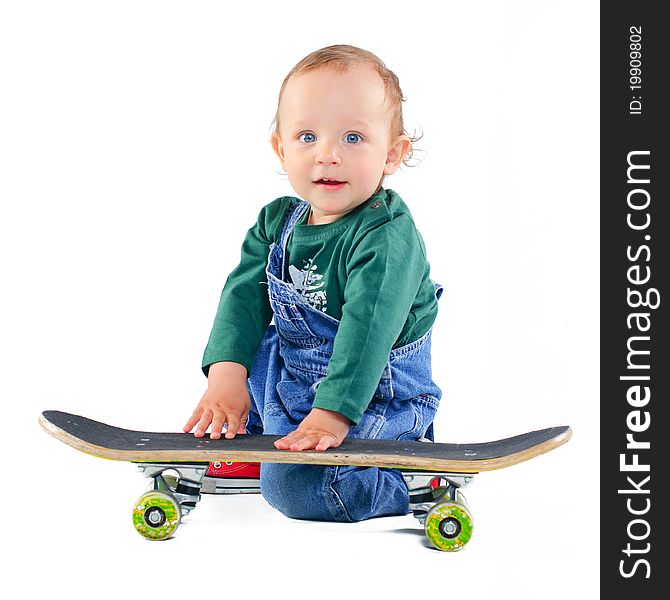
307 137
353 138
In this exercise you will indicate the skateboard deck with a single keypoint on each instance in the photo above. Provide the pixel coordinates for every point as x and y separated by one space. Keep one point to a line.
442 509
106 441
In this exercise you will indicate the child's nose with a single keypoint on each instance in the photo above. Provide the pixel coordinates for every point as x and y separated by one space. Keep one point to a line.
327 154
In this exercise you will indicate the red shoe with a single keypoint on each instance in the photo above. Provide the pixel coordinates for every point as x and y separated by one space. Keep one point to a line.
234 470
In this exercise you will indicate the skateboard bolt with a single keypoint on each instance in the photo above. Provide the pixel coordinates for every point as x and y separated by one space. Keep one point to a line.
155 517
450 528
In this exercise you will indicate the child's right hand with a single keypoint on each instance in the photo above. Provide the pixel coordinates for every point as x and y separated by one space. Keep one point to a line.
226 401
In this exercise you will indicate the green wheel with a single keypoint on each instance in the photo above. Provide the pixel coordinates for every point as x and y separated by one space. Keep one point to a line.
156 515
449 526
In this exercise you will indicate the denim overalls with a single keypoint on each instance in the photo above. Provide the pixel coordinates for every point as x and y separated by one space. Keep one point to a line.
289 365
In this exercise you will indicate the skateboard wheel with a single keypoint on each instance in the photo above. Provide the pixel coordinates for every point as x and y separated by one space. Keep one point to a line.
156 515
448 526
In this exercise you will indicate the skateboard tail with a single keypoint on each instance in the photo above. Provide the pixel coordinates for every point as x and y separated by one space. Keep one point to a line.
92 449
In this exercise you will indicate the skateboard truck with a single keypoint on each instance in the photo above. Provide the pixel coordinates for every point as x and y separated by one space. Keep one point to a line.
441 509
185 488
193 481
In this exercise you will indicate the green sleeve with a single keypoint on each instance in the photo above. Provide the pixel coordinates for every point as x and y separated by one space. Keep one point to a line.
384 274
244 310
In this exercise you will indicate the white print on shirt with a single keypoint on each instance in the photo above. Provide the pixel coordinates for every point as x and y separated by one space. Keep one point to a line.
307 281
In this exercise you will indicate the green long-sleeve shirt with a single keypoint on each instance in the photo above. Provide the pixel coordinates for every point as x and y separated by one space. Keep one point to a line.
368 269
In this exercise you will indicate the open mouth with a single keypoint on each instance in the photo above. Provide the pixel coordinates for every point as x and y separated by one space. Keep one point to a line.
329 183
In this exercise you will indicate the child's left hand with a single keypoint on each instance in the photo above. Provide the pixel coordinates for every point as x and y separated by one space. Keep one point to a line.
320 429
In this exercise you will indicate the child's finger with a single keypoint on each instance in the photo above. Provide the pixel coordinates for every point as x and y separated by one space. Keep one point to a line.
285 442
203 424
307 442
243 422
233 426
327 441
195 417
217 428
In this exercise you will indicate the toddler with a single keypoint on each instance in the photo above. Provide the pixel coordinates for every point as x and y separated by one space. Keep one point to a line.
343 274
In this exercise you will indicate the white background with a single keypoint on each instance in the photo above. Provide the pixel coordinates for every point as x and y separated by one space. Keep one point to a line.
134 155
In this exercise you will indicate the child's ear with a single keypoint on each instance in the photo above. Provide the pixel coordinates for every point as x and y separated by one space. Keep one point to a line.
396 154
278 147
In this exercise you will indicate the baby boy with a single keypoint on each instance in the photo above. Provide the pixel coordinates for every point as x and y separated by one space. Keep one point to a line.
342 273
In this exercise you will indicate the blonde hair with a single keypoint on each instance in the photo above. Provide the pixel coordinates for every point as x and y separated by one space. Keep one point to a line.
341 57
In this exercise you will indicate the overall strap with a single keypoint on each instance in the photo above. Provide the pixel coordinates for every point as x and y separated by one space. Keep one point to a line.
292 217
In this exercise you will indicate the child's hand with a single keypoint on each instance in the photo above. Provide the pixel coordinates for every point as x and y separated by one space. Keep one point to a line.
320 429
225 401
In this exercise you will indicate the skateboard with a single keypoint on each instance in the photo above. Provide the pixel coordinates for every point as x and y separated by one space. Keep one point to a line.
178 465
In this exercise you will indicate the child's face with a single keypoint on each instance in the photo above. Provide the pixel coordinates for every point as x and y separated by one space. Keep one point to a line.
336 126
